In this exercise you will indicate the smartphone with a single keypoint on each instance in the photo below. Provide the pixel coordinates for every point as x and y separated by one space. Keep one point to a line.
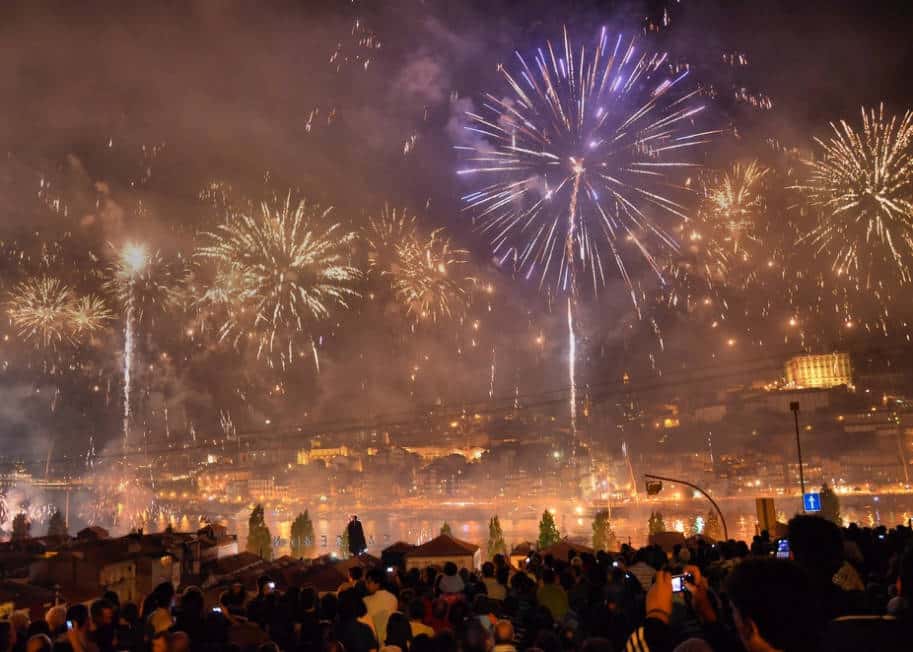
69 624
783 549
390 569
217 610
271 585
616 563
678 583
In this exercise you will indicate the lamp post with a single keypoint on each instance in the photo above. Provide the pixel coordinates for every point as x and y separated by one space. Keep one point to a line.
693 486
794 406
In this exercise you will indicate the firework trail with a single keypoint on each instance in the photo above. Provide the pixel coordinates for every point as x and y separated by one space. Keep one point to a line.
576 157
862 187
131 267
277 272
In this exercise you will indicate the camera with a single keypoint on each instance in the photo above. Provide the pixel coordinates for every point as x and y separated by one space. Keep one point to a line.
69 624
217 610
783 549
390 569
679 582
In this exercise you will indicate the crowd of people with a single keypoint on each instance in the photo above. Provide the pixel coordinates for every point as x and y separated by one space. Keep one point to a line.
824 588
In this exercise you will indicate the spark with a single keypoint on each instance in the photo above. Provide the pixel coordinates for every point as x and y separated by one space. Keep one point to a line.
39 309
425 273
88 314
576 157
279 271
862 186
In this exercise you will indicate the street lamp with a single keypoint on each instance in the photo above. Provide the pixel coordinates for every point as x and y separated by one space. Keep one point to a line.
794 406
655 485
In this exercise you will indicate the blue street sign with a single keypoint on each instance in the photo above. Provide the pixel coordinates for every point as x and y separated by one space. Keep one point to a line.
812 502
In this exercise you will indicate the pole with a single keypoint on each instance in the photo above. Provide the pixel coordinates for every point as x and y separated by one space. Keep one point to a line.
696 488
794 406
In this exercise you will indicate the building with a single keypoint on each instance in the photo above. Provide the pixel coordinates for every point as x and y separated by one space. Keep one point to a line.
444 548
819 371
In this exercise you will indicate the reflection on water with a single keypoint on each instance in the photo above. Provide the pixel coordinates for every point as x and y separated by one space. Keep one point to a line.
629 521
383 527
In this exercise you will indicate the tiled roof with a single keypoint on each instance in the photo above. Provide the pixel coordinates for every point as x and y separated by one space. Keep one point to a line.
443 545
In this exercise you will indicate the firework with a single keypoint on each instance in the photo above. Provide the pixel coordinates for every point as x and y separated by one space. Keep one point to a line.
574 161
277 272
577 156
724 236
88 314
425 273
862 187
429 281
385 235
39 309
142 280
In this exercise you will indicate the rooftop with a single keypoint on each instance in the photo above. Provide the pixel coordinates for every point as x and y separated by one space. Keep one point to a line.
443 545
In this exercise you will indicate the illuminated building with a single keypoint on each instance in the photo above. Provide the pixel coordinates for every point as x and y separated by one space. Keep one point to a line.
819 371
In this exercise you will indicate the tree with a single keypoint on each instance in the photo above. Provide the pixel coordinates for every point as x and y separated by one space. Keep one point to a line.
57 527
656 524
302 536
496 545
712 528
259 541
548 531
445 529
21 527
830 505
603 534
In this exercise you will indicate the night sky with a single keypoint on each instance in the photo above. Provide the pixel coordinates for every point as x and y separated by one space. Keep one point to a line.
138 116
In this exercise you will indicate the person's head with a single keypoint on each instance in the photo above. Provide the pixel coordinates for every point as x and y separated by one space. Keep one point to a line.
180 642
38 627
816 544
329 606
165 592
265 585
417 609
39 643
192 603
356 572
422 643
773 605
102 613
905 575
56 618
399 632
269 646
78 614
374 580
161 642
503 632
450 569
350 606
307 599
488 569
112 597
548 576
130 612
354 517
